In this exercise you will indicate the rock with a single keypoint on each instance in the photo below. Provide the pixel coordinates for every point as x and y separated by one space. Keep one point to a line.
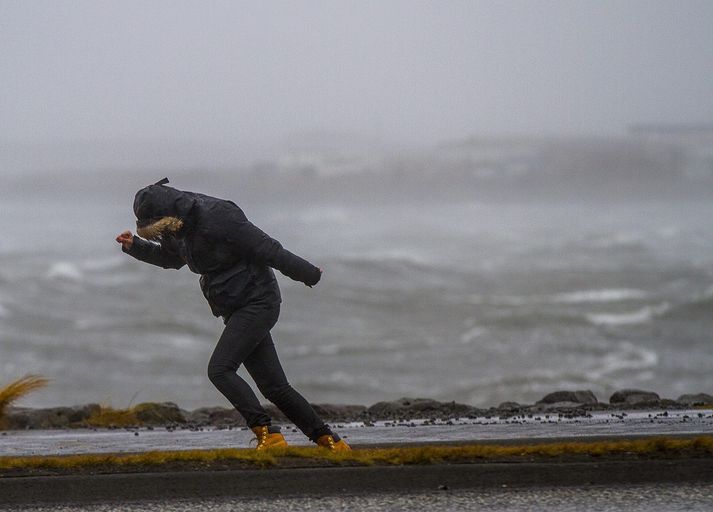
216 416
152 413
54 417
697 399
634 397
554 406
509 407
333 412
276 414
414 408
581 397
15 418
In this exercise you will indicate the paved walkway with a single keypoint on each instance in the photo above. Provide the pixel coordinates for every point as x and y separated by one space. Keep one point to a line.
605 424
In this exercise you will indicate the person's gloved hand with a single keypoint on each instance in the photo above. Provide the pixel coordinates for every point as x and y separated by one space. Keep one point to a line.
318 278
126 239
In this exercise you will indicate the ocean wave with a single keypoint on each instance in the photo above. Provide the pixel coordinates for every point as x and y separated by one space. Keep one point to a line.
699 307
64 270
626 357
106 263
172 324
599 295
330 349
640 316
472 334
342 380
576 297
530 319
389 256
621 240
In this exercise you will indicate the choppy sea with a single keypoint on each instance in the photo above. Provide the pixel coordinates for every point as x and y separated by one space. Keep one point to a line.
478 302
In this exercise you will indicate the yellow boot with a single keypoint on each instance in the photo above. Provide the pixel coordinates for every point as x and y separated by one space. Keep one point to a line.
333 443
268 437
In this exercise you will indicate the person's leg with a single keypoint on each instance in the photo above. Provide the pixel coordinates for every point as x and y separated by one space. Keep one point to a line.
244 331
265 369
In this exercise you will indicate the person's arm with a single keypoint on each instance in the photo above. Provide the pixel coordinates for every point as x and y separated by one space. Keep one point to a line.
149 252
261 248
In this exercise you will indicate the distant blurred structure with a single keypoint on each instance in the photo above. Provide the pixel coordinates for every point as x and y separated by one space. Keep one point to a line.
647 162
694 140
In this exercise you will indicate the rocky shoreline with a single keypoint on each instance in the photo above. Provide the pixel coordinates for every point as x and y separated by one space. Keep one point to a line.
167 414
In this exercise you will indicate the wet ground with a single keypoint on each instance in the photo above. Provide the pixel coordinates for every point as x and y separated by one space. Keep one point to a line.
634 498
543 426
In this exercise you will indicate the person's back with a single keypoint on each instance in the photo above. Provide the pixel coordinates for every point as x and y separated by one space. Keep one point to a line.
215 239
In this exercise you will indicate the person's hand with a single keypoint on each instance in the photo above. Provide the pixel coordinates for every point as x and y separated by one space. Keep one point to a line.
126 239
320 276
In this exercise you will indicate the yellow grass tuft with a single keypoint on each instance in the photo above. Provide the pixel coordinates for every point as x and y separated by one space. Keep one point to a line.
109 417
17 389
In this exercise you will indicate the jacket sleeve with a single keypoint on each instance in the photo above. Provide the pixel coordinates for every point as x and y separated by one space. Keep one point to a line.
154 253
261 248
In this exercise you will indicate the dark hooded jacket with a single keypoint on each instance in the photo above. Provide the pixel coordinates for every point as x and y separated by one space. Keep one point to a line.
218 242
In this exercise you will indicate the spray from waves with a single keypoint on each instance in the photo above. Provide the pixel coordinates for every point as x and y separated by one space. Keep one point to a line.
64 270
620 240
627 357
389 257
472 334
102 271
640 316
601 295
616 366
699 307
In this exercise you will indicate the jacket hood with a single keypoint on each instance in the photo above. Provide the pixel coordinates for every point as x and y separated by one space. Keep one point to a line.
159 200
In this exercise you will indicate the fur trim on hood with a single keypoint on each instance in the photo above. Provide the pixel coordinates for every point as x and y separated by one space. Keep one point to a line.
160 227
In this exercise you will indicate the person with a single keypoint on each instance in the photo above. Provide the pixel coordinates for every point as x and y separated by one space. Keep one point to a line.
235 260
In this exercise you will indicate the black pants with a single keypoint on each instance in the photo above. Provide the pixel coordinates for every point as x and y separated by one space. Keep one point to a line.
246 340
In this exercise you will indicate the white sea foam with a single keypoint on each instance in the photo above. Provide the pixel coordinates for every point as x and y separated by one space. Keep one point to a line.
640 316
108 263
626 357
599 295
64 270
614 240
472 334
392 255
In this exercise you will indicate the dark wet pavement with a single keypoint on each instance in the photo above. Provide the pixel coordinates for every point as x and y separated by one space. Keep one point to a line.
630 498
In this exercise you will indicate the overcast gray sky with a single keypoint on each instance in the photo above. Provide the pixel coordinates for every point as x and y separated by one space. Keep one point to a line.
245 75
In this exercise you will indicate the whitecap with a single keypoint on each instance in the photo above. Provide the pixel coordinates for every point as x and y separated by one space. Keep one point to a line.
600 295
640 316
330 349
107 263
64 270
471 335
618 240
627 357
394 255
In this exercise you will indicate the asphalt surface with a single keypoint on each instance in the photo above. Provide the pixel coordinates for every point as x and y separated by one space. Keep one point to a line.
630 498
338 481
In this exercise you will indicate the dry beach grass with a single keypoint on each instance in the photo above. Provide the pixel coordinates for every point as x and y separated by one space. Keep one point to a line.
17 389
